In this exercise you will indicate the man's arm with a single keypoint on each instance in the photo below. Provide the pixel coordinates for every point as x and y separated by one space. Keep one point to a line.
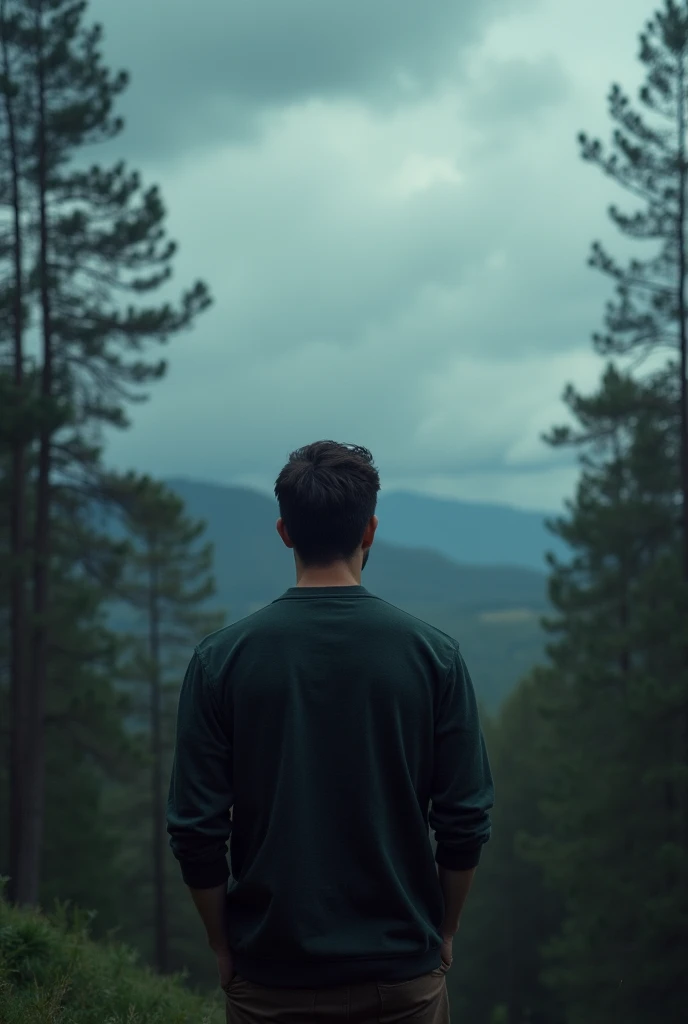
211 904
462 792
198 809
455 888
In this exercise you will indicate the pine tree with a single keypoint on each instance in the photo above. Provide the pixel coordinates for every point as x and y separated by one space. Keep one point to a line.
511 913
615 696
629 529
93 245
5 388
14 435
168 584
89 754
647 158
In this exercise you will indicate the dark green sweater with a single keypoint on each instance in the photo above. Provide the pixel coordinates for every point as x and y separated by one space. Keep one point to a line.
338 729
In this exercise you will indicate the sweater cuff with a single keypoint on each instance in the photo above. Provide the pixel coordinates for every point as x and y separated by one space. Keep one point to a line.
205 874
458 860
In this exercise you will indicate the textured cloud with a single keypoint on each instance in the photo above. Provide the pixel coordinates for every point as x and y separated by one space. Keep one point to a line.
208 69
398 266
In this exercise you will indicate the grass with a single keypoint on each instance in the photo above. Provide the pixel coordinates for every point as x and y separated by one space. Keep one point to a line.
51 972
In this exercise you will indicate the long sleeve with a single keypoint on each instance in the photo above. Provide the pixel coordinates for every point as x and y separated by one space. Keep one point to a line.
462 788
200 798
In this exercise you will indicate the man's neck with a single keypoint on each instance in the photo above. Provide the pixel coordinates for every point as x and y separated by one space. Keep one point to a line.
341 574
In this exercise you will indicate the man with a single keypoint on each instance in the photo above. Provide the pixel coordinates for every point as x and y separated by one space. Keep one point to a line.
338 729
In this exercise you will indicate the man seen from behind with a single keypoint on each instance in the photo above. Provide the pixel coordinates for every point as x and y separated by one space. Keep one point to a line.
338 730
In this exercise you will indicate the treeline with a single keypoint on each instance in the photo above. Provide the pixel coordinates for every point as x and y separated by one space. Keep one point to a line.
580 913
105 582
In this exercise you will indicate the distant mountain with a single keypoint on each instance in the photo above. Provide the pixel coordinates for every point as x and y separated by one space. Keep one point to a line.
253 566
492 610
479 534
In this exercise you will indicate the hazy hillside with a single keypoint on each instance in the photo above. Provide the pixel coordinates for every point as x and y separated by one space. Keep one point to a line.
253 566
492 610
477 533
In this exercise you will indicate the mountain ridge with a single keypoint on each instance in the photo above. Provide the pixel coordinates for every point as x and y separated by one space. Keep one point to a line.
457 529
418 573
476 532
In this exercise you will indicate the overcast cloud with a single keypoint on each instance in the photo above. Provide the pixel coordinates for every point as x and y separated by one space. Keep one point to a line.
386 200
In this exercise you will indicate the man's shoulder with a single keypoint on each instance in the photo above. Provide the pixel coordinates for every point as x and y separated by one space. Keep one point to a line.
214 648
412 625
381 615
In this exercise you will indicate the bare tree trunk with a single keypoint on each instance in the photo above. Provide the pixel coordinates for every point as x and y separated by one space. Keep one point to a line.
159 847
30 867
683 330
681 724
512 1004
18 620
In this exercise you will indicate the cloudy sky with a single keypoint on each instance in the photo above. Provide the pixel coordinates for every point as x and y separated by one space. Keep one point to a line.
386 200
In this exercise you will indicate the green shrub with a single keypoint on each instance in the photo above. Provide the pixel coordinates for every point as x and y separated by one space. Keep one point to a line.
51 972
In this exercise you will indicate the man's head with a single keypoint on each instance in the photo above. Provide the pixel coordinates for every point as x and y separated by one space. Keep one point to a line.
327 494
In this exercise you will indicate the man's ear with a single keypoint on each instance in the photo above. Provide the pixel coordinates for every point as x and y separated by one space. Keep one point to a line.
282 530
369 534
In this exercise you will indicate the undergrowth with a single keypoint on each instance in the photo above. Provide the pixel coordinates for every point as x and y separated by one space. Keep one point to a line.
51 972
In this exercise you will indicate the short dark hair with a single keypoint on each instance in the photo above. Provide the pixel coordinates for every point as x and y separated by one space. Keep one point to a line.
327 493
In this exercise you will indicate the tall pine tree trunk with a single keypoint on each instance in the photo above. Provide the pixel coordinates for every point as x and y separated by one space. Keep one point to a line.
512 1001
683 331
681 726
18 618
159 847
31 867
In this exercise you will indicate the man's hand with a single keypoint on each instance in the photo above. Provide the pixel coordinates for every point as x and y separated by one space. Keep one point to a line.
225 967
212 906
455 887
446 950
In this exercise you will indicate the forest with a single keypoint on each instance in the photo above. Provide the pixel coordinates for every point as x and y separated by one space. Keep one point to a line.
580 909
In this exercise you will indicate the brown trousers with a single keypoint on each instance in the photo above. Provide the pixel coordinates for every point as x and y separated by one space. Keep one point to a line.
423 1001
